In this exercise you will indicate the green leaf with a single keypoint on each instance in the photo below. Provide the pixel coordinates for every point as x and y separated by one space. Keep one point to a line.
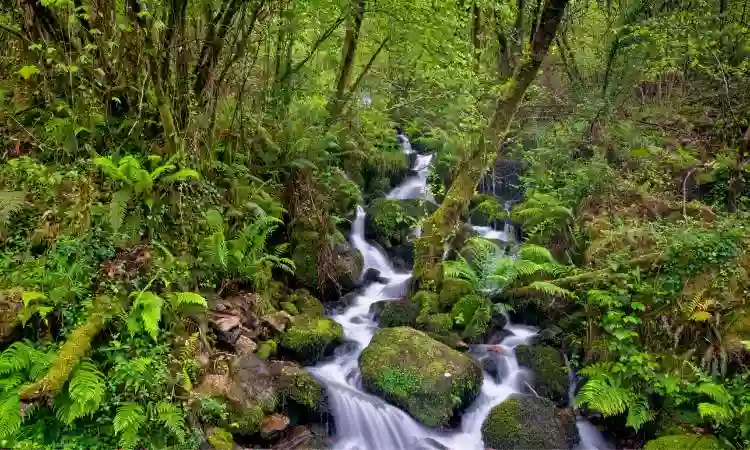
27 71
127 423
30 296
190 298
183 175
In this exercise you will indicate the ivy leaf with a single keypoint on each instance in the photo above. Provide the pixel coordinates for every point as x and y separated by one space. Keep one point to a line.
27 71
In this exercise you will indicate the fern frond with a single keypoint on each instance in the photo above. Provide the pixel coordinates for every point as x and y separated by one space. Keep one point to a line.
172 418
11 382
11 202
189 298
526 268
460 269
159 171
639 412
536 253
117 208
112 170
718 413
86 391
716 392
215 220
551 289
10 415
16 358
127 423
600 395
146 307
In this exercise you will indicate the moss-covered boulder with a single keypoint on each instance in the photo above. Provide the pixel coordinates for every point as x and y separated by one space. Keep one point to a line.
246 421
297 385
684 442
451 291
306 303
399 313
348 266
549 369
388 222
310 338
525 422
428 379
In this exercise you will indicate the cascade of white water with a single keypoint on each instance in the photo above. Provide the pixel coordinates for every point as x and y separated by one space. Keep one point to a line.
365 422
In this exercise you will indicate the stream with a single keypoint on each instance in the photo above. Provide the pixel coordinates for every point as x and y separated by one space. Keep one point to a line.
365 422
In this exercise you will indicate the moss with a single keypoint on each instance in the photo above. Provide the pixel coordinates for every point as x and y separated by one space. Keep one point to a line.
451 290
439 323
548 366
399 313
684 442
311 337
220 439
246 420
266 349
306 303
289 307
427 302
451 339
299 386
408 368
524 422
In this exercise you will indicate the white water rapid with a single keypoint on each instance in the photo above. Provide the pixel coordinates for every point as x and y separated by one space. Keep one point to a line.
365 422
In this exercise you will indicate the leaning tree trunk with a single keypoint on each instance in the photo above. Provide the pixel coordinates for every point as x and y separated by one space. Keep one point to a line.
443 223
351 40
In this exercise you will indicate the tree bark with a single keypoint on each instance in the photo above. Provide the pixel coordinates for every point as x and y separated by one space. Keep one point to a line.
443 223
351 40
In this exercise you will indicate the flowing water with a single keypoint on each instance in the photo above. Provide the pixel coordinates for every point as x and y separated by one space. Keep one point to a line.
365 422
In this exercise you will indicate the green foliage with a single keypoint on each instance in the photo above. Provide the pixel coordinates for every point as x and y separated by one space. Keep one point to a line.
243 258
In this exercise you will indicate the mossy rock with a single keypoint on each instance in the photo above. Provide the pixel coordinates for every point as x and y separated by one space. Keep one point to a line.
306 303
684 442
391 221
399 313
220 439
524 422
296 384
348 266
451 291
266 349
305 257
548 366
428 379
289 307
310 338
247 420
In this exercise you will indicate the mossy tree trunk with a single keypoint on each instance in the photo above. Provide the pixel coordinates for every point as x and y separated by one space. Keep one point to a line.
443 223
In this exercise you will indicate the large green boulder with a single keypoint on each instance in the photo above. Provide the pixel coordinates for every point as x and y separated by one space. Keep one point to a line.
428 379
550 373
297 385
310 338
305 303
684 442
399 313
524 422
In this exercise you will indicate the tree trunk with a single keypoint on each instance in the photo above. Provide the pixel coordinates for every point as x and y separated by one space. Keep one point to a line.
442 224
347 61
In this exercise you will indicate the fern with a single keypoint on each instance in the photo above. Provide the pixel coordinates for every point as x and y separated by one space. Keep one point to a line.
16 358
551 289
10 415
601 395
127 423
716 392
460 269
117 208
189 298
172 418
536 253
718 413
86 391
11 202
639 413
146 311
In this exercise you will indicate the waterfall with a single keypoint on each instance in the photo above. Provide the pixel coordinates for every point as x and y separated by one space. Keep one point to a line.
365 422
